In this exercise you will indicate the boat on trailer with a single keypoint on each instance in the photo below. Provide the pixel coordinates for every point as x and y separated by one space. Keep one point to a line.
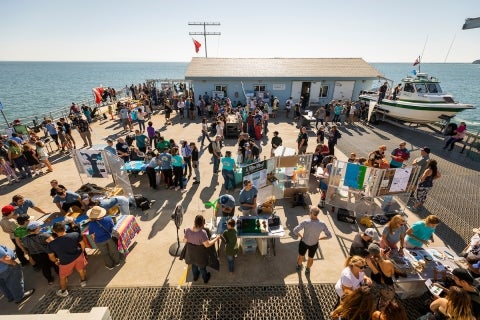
420 100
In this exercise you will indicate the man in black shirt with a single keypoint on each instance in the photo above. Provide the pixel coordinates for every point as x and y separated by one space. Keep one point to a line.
362 241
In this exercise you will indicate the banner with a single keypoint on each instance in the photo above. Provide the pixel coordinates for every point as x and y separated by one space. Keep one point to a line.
257 173
91 163
371 106
355 176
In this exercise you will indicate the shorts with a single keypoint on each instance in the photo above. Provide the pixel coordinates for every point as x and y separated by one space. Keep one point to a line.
302 249
125 122
67 269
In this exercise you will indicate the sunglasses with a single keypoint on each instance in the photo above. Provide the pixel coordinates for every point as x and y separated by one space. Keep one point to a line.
360 267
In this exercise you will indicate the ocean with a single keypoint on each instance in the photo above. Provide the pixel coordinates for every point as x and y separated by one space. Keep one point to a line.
36 88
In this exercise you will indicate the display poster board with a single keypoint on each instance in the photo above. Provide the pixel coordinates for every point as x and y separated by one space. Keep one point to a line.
91 163
355 176
257 173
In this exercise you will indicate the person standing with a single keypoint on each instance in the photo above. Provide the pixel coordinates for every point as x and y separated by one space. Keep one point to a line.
231 244
110 147
332 138
123 151
228 171
141 119
197 241
9 224
423 160
393 234
248 198
288 106
195 162
217 154
166 167
421 232
186 153
150 132
68 132
11 277
16 157
320 116
177 165
312 228
302 141
151 172
399 155
84 130
382 91
276 142
426 183
66 251
36 245
52 131
101 228
204 132
21 205
396 91
141 141
64 200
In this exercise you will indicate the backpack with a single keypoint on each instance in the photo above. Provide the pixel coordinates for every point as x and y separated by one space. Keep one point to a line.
142 202
210 148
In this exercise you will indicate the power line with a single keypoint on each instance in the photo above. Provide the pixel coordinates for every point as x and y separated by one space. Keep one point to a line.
204 33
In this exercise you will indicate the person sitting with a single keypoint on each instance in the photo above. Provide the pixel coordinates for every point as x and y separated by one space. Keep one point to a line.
361 242
472 253
352 277
393 234
456 305
460 133
393 310
122 202
382 272
359 304
225 206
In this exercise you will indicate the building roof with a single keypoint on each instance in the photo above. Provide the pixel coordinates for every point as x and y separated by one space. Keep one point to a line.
279 68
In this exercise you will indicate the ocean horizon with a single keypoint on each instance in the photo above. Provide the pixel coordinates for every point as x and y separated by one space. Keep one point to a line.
35 88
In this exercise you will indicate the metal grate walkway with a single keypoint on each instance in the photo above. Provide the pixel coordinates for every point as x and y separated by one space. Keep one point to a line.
309 301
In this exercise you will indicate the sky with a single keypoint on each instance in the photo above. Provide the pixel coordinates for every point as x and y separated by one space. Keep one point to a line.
158 30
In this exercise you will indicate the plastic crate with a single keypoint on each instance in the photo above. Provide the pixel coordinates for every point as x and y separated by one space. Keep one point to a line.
249 245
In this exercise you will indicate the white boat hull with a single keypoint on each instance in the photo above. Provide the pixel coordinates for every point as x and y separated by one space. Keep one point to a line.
417 112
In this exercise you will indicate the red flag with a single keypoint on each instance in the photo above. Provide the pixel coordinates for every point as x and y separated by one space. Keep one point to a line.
416 61
97 93
197 45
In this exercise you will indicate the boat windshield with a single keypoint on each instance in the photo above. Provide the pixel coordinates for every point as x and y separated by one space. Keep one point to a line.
420 87
434 88
408 87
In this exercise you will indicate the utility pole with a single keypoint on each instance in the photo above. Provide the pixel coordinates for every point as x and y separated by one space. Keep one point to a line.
204 33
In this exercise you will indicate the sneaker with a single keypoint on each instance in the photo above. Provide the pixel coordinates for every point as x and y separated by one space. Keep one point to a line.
109 268
307 270
83 283
117 264
196 182
299 267
61 293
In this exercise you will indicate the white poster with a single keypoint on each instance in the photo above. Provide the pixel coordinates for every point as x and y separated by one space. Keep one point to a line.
400 179
92 163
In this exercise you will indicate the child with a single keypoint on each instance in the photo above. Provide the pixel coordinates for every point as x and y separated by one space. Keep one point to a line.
63 138
42 155
8 171
231 248
150 132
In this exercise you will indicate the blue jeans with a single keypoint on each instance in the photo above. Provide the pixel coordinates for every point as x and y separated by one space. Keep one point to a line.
229 177
216 164
196 270
231 263
11 283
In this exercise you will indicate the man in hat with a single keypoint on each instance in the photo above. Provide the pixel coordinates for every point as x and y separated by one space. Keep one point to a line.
361 241
312 228
101 228
9 224
276 142
11 277
225 206
36 245
422 161
66 251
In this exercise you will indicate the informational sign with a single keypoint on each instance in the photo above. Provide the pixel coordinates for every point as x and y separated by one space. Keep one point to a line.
92 163
400 179
257 173
355 176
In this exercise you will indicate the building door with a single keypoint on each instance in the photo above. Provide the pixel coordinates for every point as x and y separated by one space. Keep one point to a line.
306 91
343 90
296 91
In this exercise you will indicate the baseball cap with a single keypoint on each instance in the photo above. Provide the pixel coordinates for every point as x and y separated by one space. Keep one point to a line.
372 233
34 225
463 274
373 248
426 149
21 219
6 210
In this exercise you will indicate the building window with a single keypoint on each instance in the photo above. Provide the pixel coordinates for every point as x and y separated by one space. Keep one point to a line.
259 88
323 91
221 87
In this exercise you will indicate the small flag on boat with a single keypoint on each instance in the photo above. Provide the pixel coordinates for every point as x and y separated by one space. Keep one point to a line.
416 61
197 45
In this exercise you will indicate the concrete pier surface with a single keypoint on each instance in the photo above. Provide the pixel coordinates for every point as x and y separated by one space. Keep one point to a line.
152 284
